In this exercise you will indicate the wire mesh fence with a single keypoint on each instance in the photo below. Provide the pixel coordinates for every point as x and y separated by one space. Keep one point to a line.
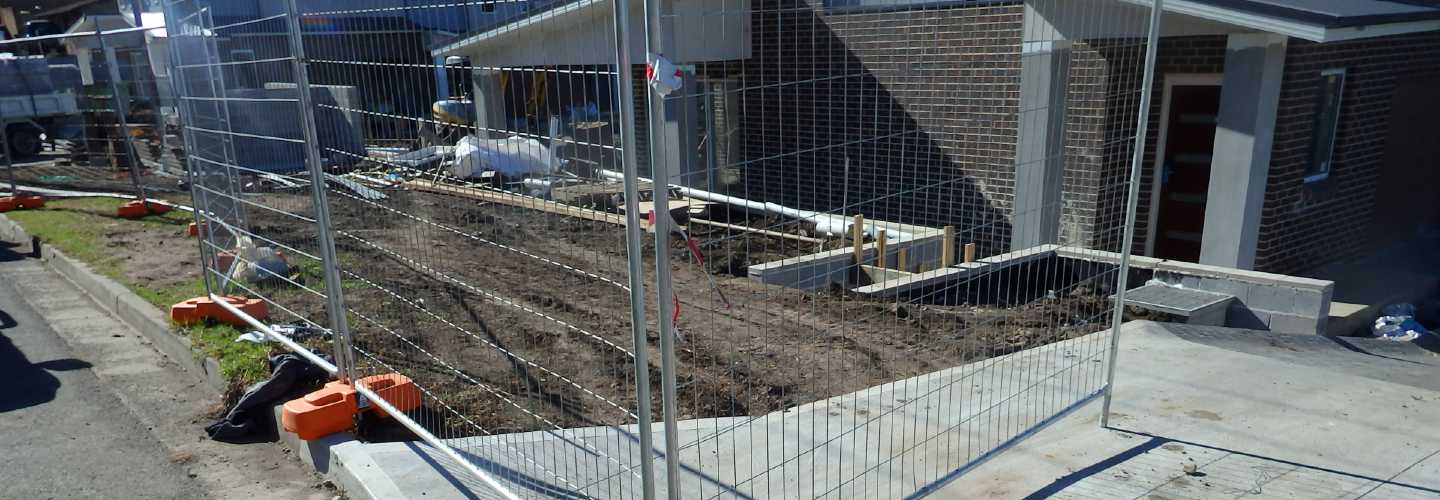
740 248
91 110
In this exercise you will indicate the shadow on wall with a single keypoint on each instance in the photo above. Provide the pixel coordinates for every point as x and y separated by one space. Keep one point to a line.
842 114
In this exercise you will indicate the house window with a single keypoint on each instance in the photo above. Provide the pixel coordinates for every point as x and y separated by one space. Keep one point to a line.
1327 120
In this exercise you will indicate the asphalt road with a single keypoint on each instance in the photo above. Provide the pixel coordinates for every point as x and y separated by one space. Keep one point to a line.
63 434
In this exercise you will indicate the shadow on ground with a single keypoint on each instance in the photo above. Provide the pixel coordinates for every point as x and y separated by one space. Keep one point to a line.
1218 471
26 383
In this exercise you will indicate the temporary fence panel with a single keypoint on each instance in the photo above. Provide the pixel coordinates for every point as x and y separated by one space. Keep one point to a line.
858 223
936 158
509 309
246 155
85 112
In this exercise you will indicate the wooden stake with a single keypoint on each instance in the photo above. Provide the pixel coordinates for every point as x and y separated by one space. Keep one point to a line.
901 258
947 247
969 253
880 248
857 238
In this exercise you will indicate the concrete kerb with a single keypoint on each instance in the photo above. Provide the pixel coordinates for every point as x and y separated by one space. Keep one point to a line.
134 311
344 460
338 457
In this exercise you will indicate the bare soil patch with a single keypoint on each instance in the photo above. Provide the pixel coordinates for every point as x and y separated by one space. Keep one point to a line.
519 320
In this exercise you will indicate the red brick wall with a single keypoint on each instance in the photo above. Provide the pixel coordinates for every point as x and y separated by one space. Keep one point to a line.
1101 104
920 103
1304 226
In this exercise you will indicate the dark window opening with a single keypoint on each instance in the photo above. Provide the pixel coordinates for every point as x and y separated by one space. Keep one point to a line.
1327 121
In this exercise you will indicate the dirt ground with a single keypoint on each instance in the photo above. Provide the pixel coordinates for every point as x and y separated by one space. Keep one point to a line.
520 320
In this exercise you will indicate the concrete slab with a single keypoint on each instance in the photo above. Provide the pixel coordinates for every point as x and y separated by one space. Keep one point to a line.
1259 415
880 442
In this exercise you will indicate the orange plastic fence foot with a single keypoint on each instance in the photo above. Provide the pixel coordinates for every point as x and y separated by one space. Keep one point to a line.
9 203
396 389
135 209
202 308
333 408
321 413
194 229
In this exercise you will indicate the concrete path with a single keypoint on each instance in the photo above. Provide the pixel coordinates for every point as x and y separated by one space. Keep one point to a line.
89 410
1258 415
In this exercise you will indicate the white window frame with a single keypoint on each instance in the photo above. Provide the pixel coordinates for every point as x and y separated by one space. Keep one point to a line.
1334 130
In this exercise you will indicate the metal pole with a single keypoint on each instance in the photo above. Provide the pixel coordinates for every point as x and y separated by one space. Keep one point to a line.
202 210
657 41
135 10
121 109
1137 158
9 160
633 246
336 306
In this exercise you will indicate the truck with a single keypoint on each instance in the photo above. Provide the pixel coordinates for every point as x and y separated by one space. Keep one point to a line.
35 103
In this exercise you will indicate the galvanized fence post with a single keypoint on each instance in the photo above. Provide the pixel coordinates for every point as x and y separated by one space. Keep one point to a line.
1137 159
201 211
9 159
659 40
121 108
339 326
633 247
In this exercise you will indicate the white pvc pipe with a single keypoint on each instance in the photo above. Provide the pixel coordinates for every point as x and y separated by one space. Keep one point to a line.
65 193
830 224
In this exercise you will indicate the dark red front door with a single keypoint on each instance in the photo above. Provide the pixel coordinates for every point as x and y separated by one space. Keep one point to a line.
1185 175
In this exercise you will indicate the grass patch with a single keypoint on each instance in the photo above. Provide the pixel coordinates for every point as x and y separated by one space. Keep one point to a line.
82 227
243 362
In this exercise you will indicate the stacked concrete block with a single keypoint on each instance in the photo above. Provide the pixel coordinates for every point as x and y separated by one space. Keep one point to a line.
1279 303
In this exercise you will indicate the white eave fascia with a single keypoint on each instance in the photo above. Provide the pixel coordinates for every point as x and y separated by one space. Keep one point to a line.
1271 24
1358 32
1282 26
457 46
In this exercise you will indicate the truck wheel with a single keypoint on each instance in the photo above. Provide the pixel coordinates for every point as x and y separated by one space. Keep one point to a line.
24 141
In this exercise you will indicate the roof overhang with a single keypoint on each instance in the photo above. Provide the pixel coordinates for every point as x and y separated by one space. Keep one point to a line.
1306 27
582 32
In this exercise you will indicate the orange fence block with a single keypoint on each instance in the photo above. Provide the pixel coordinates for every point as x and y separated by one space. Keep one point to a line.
333 408
135 209
8 203
202 308
396 389
194 229
321 413
223 260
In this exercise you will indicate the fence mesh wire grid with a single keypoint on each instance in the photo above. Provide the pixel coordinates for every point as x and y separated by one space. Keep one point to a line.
698 248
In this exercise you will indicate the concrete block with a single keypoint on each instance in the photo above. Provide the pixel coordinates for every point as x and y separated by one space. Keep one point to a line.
1192 282
1271 298
1314 303
1240 316
1239 289
1290 323
1168 277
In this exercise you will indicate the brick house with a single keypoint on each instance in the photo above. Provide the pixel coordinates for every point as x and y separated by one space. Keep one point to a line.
1285 134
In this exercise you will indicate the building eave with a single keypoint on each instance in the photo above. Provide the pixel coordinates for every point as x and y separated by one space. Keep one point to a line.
1314 28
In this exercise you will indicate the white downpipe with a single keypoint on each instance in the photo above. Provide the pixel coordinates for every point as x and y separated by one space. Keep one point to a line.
831 224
